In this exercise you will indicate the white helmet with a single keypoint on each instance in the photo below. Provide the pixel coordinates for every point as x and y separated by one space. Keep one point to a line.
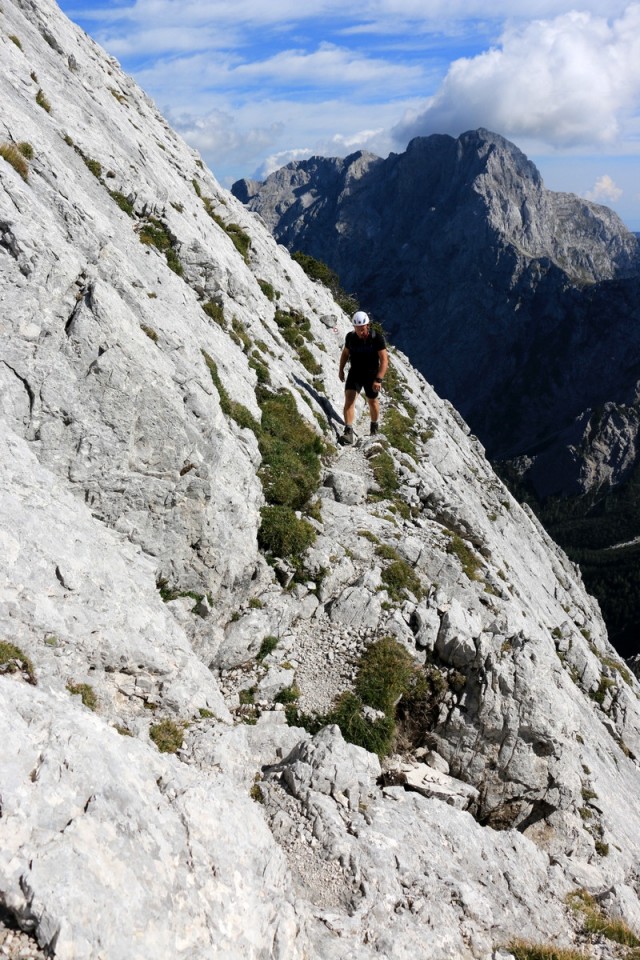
360 319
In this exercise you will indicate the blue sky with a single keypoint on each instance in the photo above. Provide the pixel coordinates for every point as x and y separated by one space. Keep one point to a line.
253 84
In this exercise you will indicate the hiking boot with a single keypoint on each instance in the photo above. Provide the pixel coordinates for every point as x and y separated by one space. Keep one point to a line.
374 429
347 436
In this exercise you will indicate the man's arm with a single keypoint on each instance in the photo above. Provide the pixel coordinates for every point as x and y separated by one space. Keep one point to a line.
383 363
344 357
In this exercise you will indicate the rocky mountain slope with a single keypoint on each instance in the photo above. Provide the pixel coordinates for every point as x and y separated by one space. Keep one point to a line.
519 304
169 396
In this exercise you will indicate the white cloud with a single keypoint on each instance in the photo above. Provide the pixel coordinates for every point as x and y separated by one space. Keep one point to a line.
604 190
568 81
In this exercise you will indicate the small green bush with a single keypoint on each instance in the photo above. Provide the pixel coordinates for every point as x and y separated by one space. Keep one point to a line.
13 155
42 101
86 693
156 234
94 166
397 428
283 534
384 473
214 311
294 327
267 289
267 646
123 202
288 695
26 150
261 370
470 562
308 361
383 675
167 735
13 660
399 577
291 452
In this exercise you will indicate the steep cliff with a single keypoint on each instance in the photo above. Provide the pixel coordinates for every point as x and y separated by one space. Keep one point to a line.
169 394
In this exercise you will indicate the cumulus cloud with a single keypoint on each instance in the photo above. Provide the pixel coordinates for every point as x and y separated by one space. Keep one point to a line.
570 81
605 190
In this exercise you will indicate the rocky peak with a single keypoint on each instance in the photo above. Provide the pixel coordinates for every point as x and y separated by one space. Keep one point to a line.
162 357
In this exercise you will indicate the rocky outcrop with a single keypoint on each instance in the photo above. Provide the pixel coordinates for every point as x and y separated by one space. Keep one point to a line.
517 303
148 646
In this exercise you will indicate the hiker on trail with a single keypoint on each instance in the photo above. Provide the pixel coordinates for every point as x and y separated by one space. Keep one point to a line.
366 353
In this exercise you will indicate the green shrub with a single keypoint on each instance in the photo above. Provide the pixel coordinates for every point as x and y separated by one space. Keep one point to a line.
26 150
397 428
42 101
86 692
288 695
214 311
240 335
261 370
291 452
470 562
13 660
167 735
318 270
13 155
399 577
283 534
294 327
374 735
156 234
267 289
383 674
267 646
123 202
94 166
308 361
384 473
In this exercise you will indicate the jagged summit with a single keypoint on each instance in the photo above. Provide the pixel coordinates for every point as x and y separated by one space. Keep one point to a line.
185 553
506 296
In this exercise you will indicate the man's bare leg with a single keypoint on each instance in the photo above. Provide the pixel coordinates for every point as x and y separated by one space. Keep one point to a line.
349 407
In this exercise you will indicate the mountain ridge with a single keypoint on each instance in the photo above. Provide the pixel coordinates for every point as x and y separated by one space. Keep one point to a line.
155 341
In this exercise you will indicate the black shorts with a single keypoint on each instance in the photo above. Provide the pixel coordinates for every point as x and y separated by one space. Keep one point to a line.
361 381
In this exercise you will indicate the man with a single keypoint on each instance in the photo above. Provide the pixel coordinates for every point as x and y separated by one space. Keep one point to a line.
366 353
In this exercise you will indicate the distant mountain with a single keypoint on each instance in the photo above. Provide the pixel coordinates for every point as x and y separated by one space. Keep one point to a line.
519 304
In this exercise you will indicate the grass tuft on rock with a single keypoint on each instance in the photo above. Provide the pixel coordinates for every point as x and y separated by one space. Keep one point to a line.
231 408
283 534
86 693
155 233
13 660
460 548
523 950
16 158
167 735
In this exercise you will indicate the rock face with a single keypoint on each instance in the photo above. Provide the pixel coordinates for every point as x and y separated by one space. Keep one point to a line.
519 304
147 646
